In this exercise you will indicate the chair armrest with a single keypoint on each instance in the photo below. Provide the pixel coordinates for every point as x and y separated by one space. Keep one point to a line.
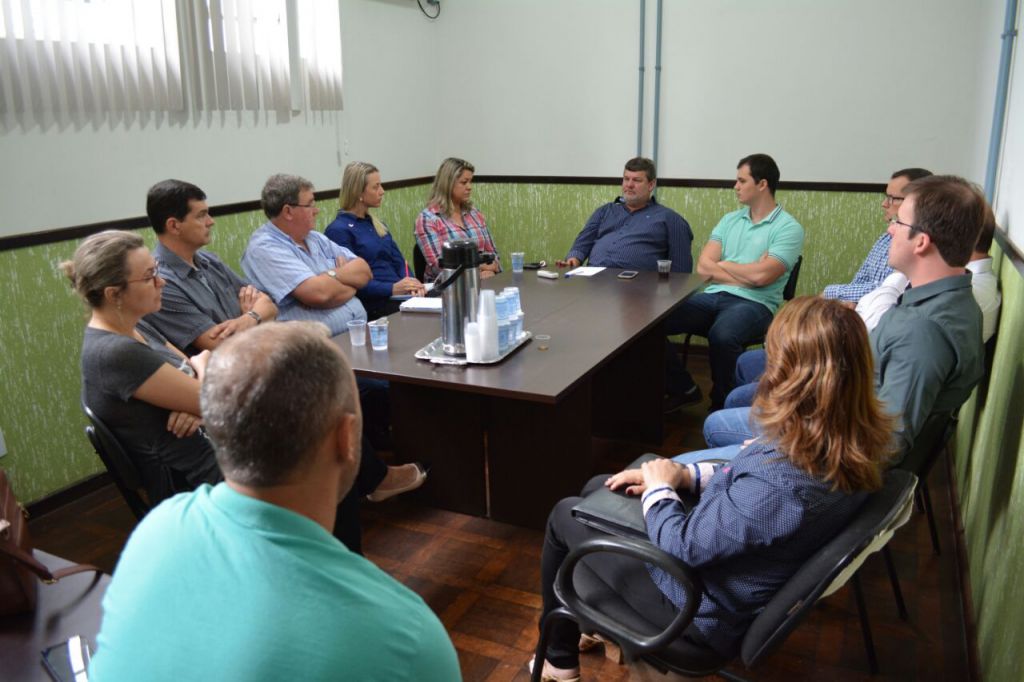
629 638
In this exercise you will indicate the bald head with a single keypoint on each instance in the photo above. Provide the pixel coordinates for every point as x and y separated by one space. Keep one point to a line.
269 398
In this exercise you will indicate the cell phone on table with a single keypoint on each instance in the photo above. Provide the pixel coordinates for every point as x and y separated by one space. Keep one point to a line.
67 661
627 274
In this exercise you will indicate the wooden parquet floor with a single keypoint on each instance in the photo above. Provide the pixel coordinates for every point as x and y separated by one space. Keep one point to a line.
482 579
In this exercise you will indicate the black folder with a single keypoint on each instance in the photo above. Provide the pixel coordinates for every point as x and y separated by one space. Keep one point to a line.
616 513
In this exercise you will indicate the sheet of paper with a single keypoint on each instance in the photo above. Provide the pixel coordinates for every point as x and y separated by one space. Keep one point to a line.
584 271
421 305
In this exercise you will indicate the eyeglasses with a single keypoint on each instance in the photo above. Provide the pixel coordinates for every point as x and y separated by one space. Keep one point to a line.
913 228
311 204
150 275
890 199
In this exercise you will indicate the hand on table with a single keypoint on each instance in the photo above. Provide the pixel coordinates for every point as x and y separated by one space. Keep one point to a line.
568 263
409 286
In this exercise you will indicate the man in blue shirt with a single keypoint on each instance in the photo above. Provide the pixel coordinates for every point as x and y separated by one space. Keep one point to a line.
308 276
634 231
876 266
243 580
748 261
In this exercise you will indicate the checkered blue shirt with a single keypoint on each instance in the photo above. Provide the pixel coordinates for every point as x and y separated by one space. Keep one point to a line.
758 520
873 270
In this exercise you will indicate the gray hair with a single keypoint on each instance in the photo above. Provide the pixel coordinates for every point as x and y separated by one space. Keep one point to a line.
100 261
270 396
282 190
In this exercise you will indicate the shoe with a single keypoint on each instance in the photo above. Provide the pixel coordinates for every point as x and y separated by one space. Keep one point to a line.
553 674
680 400
403 479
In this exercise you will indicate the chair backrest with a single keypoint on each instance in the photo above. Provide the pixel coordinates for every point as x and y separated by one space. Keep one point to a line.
122 469
790 289
831 566
419 263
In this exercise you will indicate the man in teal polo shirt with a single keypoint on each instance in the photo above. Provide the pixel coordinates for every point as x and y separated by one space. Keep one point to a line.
244 581
747 260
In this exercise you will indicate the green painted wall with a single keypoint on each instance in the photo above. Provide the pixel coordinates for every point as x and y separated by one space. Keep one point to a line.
41 320
990 477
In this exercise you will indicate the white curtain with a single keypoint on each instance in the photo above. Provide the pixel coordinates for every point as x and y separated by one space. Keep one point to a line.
259 54
59 58
64 60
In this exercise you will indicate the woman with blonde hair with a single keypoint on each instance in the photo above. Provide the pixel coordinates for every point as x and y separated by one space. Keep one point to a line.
365 235
760 516
139 385
450 216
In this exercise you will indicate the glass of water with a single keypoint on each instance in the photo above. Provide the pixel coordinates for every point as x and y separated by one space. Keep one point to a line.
379 334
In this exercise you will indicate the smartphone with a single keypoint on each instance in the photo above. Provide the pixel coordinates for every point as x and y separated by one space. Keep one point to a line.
535 266
627 274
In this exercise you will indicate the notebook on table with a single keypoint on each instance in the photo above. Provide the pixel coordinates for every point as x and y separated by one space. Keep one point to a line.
616 513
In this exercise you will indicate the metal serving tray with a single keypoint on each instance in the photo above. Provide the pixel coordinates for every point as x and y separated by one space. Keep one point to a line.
434 352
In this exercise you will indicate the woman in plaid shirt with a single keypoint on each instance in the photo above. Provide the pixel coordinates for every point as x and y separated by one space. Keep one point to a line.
450 215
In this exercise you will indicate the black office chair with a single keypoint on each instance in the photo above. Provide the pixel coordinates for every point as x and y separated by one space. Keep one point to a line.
121 468
419 263
596 607
788 293
929 445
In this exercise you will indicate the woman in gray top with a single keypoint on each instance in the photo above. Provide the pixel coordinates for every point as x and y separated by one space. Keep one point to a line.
139 385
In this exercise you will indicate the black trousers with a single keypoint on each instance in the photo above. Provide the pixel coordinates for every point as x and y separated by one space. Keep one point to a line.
628 577
347 526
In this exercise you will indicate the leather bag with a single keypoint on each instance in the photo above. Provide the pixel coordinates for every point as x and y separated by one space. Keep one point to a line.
20 572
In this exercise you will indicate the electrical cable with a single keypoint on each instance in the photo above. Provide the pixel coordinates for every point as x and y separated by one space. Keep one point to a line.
429 16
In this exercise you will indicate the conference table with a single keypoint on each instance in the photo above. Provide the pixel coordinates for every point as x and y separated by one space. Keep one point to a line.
509 440
66 608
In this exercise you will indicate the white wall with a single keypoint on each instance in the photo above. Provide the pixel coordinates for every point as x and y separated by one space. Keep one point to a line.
58 178
843 90
1009 203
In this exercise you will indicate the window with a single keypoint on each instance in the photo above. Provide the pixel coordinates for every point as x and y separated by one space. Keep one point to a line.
64 59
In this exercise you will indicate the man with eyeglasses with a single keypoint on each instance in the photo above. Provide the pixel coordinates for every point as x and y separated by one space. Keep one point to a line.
927 347
308 276
875 267
204 301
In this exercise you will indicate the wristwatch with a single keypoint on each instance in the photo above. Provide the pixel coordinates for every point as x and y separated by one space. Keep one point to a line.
254 315
333 273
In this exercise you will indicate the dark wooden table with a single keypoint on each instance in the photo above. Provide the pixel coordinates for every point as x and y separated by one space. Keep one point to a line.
509 440
69 607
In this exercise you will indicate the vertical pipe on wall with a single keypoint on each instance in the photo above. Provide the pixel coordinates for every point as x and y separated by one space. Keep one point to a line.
640 83
657 86
1002 87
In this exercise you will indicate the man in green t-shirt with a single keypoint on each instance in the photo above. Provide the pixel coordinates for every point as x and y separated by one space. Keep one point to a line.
243 580
747 260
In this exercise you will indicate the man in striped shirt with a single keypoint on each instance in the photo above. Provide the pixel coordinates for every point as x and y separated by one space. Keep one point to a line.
634 231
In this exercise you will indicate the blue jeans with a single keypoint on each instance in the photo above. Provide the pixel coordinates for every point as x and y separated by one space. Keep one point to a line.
730 426
729 323
728 452
749 368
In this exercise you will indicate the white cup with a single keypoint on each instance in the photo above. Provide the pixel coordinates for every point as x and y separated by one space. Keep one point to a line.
357 332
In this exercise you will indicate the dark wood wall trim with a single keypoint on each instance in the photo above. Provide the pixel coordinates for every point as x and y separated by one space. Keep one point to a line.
67 495
79 231
1011 250
964 576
